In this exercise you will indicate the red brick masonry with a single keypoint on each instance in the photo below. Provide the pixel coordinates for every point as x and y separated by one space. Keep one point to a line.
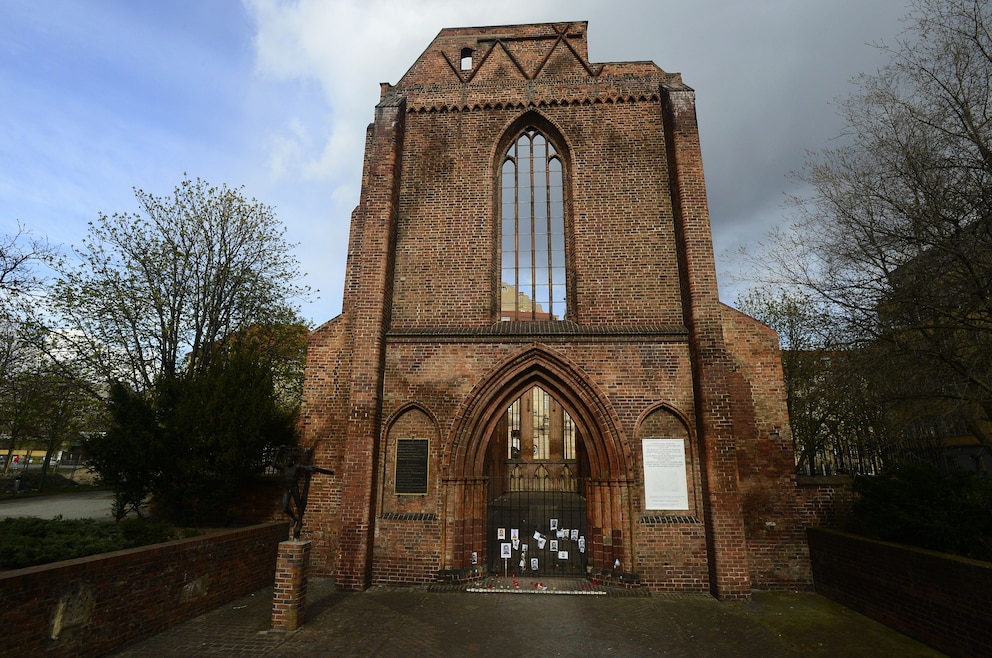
645 351
99 604
289 594
939 599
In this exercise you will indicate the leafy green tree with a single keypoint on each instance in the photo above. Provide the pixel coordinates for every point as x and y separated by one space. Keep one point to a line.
217 428
65 411
173 310
193 445
42 404
150 295
21 409
131 454
20 256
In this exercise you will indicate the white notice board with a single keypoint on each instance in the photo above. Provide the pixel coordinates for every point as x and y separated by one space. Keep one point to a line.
665 486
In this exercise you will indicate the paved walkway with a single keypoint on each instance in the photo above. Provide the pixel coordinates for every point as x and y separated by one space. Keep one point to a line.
75 505
421 622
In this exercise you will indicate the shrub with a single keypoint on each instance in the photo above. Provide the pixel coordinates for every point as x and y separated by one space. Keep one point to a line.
920 506
26 542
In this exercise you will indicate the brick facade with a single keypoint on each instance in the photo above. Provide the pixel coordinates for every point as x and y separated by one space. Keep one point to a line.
646 350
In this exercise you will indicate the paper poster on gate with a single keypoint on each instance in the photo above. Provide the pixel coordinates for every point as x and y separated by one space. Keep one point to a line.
540 542
501 533
575 534
554 546
516 544
665 485
533 564
514 533
582 544
506 550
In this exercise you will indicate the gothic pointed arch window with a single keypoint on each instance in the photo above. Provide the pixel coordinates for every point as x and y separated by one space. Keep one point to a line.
532 230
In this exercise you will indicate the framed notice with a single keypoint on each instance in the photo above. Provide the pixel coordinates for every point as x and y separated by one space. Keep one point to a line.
665 485
411 466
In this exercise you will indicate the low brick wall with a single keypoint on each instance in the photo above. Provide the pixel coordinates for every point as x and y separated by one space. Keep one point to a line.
939 599
824 500
95 605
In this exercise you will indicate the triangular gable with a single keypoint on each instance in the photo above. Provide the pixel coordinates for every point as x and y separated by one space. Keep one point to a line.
522 52
563 59
498 64
551 53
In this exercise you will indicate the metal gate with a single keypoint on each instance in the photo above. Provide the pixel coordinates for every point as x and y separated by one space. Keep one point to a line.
537 526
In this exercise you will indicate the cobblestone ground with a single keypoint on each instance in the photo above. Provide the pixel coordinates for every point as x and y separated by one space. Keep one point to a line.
420 622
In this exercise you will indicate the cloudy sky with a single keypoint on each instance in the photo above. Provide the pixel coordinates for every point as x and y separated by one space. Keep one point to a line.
101 96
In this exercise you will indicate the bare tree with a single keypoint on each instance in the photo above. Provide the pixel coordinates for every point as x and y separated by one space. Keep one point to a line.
836 422
20 254
895 234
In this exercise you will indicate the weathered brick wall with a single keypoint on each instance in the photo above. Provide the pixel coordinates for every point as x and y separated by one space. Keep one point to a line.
773 517
939 599
95 605
420 325
671 555
825 501
671 545
408 548
622 247
439 374
324 417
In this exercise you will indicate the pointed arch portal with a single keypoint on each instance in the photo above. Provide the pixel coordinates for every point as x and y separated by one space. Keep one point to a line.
537 478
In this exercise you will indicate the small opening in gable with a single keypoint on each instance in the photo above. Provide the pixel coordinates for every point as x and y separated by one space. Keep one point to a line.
466 59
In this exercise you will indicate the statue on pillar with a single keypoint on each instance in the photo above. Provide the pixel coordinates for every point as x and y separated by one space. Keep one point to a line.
296 464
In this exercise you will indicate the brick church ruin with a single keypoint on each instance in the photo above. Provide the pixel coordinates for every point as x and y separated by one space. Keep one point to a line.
532 370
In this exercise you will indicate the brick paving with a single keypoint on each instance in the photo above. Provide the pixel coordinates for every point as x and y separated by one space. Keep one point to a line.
448 621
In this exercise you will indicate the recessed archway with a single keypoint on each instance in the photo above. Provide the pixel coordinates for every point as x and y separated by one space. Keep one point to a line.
475 459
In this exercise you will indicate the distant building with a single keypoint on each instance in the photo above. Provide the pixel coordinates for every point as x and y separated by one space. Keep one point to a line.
936 339
532 369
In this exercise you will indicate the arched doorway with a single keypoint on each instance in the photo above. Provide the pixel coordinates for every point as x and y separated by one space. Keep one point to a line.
491 483
537 520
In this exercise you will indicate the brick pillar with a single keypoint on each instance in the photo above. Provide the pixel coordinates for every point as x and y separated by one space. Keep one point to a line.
367 297
289 596
711 362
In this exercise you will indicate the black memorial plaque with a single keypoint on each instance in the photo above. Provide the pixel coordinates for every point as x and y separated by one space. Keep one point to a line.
411 466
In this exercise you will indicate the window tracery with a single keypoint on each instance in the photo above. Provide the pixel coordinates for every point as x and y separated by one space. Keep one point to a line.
532 231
